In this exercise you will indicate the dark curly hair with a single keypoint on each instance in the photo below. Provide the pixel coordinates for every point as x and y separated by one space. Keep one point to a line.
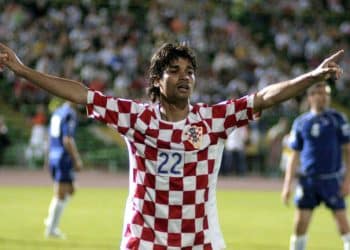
161 59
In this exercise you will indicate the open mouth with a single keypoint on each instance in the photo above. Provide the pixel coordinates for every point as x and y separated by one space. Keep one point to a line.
183 87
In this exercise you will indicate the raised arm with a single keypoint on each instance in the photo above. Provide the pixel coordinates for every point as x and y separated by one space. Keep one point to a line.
279 92
67 89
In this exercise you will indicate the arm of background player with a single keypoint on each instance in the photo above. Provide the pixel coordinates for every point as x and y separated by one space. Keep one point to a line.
70 146
279 92
291 168
67 89
345 189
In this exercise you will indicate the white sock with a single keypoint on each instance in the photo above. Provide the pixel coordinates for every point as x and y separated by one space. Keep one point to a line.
55 211
297 242
52 206
67 198
346 240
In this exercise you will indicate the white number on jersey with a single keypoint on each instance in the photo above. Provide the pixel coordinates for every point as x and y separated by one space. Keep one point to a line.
55 130
170 163
315 130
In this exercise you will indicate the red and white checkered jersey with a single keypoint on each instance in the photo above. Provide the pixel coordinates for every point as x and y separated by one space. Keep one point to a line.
173 170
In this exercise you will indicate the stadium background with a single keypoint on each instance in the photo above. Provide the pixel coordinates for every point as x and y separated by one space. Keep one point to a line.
241 47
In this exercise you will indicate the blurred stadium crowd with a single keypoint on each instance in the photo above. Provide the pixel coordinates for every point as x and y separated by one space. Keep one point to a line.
241 46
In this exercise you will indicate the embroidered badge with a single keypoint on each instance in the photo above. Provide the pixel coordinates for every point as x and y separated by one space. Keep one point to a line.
194 135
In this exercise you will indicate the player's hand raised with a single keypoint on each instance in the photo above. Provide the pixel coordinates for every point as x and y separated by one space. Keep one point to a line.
9 59
329 68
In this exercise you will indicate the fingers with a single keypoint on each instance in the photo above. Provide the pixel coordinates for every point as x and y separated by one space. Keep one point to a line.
333 72
329 70
345 191
4 52
338 74
9 59
333 64
3 59
285 198
334 57
3 49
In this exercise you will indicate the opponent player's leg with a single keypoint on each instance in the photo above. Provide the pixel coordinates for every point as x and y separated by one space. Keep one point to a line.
63 189
306 199
54 201
57 205
341 219
336 202
301 224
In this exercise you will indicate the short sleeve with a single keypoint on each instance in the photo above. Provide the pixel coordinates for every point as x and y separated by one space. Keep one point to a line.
240 113
228 115
68 126
295 139
344 129
116 112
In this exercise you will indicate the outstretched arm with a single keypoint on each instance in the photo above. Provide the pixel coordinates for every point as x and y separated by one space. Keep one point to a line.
67 89
279 92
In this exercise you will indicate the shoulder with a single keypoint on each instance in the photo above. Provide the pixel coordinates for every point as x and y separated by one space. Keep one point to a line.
303 118
122 105
241 103
337 115
67 111
209 110
59 111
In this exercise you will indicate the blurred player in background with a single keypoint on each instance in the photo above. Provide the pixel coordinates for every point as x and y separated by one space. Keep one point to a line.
4 138
319 139
175 148
234 155
63 160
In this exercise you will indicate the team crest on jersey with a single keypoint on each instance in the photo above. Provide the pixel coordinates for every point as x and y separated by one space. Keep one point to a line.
194 135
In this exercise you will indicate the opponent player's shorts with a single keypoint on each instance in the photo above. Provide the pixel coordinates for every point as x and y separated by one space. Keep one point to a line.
62 171
311 192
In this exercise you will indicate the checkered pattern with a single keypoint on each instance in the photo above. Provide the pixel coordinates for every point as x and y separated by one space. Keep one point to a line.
173 170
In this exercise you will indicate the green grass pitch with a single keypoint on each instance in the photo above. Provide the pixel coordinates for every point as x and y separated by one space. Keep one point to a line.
93 220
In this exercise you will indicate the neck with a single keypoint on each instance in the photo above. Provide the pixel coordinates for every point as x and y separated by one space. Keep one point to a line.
174 112
317 110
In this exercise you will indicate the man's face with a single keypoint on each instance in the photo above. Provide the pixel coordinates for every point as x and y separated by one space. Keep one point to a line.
320 97
177 81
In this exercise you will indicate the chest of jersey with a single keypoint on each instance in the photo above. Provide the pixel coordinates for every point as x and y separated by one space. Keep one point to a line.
320 130
171 168
175 149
